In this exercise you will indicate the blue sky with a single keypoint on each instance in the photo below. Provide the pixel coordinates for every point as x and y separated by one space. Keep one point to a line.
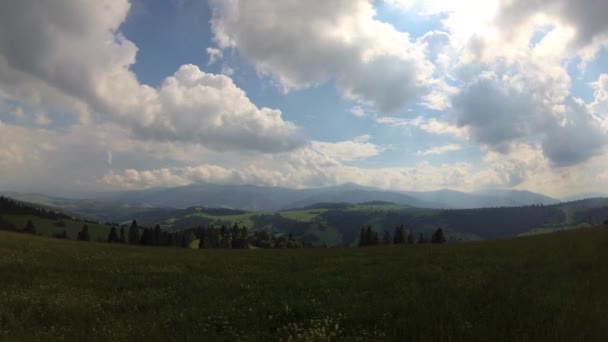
397 94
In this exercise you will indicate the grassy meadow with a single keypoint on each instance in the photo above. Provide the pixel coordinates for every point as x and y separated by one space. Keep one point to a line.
541 288
46 227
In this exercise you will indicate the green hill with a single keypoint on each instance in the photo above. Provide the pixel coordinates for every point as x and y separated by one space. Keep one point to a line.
543 288
339 223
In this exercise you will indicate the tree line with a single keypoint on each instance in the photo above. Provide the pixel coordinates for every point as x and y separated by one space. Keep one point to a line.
369 237
13 207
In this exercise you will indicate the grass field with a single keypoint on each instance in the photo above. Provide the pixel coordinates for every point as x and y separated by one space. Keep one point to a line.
542 288
47 228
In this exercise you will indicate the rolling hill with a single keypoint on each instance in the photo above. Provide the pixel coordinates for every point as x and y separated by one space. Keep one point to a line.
339 223
334 223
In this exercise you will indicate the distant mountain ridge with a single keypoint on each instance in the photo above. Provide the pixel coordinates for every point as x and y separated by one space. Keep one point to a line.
271 199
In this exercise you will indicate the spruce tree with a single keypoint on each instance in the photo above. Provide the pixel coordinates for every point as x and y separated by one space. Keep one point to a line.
123 238
83 235
244 238
369 236
398 237
201 239
157 236
146 237
133 233
421 238
362 237
439 236
410 237
29 227
113 236
235 233
386 238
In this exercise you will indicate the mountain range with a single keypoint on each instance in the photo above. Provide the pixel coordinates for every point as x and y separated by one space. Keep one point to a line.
271 199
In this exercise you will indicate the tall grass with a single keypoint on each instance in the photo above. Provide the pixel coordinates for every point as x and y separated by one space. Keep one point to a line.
544 288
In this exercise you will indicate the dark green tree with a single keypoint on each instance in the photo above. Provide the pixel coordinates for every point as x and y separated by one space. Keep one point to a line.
410 237
375 239
369 236
122 238
362 236
202 236
83 235
113 236
225 237
386 238
29 227
157 236
146 237
235 241
399 237
421 238
244 238
438 236
133 233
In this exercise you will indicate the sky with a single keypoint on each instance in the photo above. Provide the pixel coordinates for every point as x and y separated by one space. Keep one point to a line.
104 95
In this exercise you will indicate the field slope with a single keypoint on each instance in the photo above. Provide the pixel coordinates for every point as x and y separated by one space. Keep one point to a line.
542 288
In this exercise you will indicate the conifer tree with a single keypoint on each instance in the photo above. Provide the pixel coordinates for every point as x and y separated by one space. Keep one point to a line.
244 238
146 237
133 233
123 238
201 241
235 233
386 238
362 236
183 241
29 227
410 237
156 236
439 236
369 236
225 236
113 236
83 235
421 238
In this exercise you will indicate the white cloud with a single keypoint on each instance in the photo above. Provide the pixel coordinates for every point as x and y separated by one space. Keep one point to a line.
439 127
41 69
358 111
42 119
214 55
306 43
600 102
440 150
346 151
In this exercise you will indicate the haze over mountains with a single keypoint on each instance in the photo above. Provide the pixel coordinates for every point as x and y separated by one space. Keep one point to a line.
263 198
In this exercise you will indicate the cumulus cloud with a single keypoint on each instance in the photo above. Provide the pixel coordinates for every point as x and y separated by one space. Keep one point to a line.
214 55
437 150
586 17
600 102
345 151
38 57
499 111
306 43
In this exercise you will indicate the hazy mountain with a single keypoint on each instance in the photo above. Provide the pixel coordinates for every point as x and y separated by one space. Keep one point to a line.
111 205
584 195
482 199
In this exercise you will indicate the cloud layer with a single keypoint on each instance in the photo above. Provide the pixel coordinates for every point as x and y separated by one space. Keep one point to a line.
499 76
306 43
73 50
